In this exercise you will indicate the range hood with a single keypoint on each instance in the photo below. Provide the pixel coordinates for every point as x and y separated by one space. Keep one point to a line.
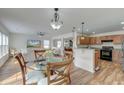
106 40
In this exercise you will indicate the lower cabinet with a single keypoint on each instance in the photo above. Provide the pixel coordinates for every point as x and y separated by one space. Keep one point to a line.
116 55
97 58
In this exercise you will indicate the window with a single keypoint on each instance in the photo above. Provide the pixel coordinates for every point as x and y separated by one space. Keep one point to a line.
3 44
0 44
46 44
6 44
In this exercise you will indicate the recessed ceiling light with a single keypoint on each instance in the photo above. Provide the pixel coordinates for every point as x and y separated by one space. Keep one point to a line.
87 30
122 23
93 32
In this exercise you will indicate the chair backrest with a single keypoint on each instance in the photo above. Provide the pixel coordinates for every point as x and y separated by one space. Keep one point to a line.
68 54
22 64
38 53
62 72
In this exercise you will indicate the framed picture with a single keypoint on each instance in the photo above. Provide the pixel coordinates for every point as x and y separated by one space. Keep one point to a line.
33 44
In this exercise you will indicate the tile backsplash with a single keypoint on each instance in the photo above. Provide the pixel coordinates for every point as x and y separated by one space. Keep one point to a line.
116 46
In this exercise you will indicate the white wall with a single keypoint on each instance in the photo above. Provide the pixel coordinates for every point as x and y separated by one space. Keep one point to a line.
19 42
5 31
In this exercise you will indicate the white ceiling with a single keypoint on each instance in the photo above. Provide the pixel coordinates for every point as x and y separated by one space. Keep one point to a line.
33 20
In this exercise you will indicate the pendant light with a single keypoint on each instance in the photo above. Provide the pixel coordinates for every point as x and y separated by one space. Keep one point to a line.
73 30
55 22
82 36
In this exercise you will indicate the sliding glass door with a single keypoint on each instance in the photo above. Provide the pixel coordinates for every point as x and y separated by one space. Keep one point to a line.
0 45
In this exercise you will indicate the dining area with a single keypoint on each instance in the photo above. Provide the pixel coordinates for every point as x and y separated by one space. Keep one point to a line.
77 43
48 68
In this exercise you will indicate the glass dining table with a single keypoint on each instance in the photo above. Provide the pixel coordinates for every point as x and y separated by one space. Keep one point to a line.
40 64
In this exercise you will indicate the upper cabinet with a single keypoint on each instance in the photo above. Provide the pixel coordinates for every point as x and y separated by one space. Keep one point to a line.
85 41
117 39
92 40
95 40
103 38
98 40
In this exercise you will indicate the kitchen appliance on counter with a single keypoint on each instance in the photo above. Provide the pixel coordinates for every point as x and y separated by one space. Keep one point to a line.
106 53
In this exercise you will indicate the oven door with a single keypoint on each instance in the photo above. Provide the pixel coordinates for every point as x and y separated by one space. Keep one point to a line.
106 55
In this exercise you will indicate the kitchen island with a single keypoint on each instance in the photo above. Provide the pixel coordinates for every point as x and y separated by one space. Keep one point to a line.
84 58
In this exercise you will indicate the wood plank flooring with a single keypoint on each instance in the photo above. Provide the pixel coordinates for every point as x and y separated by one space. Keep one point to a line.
109 74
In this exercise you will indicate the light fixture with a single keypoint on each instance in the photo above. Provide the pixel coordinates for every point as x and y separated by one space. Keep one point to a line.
55 22
82 37
73 30
122 23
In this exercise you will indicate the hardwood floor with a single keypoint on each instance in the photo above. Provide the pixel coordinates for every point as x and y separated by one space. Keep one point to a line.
110 73
10 73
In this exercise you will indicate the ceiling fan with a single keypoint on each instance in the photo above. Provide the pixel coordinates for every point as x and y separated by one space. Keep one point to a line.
41 34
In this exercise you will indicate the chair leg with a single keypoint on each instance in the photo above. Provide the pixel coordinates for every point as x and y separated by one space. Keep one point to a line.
69 79
23 82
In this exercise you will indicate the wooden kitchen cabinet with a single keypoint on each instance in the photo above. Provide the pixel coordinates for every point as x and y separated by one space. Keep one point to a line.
85 41
117 39
98 40
97 58
92 40
109 37
103 38
106 38
116 55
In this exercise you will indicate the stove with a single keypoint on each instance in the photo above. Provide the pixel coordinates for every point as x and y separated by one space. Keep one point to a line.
106 53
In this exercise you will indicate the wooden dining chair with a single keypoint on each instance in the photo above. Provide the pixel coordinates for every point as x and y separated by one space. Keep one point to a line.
38 53
68 54
31 77
62 76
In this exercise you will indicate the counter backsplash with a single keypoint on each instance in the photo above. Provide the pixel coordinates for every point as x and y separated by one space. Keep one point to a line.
118 46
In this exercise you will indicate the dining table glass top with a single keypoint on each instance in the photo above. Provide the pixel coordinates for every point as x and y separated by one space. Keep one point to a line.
41 63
